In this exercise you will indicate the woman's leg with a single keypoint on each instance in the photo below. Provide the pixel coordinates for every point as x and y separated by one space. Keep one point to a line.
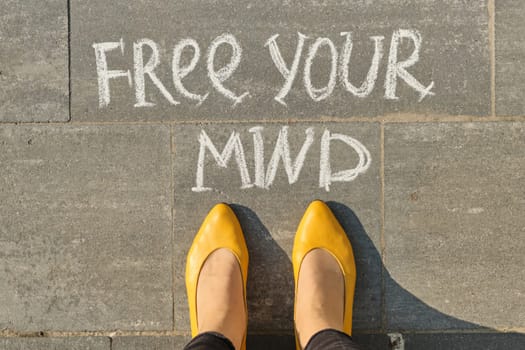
320 304
210 341
320 295
220 301
331 339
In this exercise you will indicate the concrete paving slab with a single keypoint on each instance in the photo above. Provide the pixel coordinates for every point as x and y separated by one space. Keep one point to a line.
69 343
34 74
452 54
467 341
454 225
149 343
85 234
269 217
510 55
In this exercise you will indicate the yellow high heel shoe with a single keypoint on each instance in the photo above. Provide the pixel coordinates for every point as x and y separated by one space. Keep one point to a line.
319 228
220 229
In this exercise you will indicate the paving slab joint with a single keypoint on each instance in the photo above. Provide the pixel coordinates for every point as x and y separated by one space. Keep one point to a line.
382 234
387 119
173 244
492 47
69 60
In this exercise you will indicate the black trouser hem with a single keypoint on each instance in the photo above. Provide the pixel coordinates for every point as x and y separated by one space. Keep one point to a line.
331 339
210 340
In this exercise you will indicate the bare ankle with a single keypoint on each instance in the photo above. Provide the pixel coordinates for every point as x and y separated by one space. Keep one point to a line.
320 295
220 300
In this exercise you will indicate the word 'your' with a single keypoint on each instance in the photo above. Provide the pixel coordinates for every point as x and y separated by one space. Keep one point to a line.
144 67
264 178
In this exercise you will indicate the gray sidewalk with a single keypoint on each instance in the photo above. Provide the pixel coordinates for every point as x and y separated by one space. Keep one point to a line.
122 123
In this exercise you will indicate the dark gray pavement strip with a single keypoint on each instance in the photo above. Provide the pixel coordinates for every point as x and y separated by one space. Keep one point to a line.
466 341
254 342
79 343
149 343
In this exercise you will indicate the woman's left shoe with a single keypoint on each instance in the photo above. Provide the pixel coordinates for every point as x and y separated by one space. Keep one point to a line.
220 229
319 229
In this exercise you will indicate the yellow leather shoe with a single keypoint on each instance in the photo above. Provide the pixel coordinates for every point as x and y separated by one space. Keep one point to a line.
319 228
220 229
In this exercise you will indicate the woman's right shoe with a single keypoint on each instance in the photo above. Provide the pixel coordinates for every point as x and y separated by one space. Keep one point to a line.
220 229
319 229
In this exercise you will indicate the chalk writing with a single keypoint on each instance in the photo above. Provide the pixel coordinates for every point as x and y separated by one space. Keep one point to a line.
368 85
234 145
396 68
223 74
340 67
321 93
281 153
180 72
149 69
288 74
326 177
104 74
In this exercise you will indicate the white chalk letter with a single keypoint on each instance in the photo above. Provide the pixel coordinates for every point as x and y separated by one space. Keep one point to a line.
141 70
180 72
326 177
103 74
234 144
321 93
258 155
288 74
368 85
282 151
223 74
396 68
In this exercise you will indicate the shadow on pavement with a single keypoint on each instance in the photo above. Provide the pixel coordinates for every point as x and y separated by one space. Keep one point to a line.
270 277
271 290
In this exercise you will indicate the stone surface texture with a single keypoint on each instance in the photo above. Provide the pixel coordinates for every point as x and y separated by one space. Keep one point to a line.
34 76
86 228
99 204
454 225
510 56
454 55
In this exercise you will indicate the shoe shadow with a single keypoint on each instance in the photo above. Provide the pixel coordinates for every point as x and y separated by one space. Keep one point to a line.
270 282
271 291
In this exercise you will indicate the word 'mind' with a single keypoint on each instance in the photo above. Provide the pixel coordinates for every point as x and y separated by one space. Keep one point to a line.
143 75
265 174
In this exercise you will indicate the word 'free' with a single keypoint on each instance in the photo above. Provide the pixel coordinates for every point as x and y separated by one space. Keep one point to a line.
264 178
146 59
